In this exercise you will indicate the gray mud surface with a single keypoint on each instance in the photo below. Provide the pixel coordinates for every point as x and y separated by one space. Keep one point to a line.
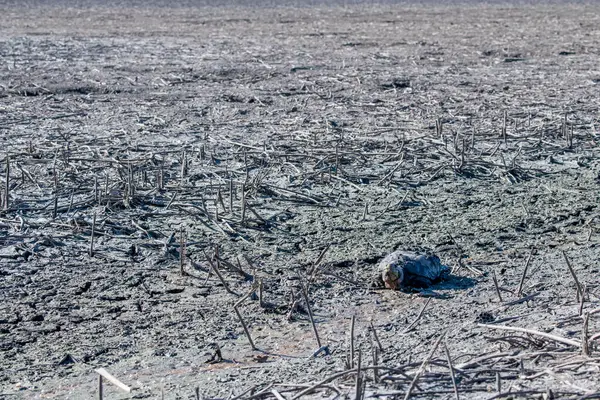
296 147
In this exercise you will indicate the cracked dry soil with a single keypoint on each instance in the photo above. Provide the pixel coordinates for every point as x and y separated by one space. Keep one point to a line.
259 138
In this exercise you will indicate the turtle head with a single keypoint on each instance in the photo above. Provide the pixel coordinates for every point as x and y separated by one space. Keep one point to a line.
392 276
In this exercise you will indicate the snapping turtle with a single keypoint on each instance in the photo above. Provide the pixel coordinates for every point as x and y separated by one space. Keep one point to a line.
408 269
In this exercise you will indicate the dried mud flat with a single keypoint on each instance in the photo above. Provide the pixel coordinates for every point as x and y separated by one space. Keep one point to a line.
296 147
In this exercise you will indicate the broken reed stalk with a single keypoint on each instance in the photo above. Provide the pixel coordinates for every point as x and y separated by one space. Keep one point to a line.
418 374
579 290
260 293
110 378
414 323
293 305
595 337
247 169
337 159
95 189
7 183
352 324
220 197
522 366
71 200
277 395
455 141
243 216
555 338
571 138
310 315
131 179
238 268
231 195
359 385
499 382
375 363
183 167
365 212
244 326
376 337
100 388
524 275
331 378
462 155
55 208
244 297
504 118
170 203
585 343
256 214
496 286
127 191
92 236
161 181
182 251
582 301
399 204
452 375
218 273
392 171
315 266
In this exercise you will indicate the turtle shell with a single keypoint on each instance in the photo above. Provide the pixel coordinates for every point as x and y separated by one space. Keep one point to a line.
403 268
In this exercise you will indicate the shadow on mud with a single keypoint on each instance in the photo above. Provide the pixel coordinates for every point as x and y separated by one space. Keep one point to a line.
448 283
